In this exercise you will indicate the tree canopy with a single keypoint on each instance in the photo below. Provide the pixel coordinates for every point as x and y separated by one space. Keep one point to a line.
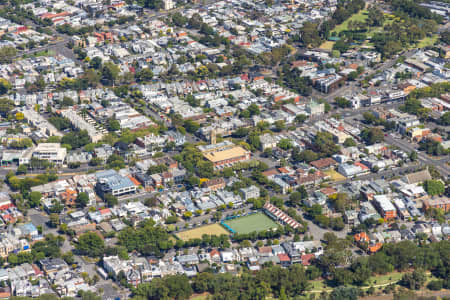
90 244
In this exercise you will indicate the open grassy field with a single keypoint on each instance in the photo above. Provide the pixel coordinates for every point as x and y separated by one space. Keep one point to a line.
335 176
256 222
385 279
361 16
379 282
45 53
213 229
428 41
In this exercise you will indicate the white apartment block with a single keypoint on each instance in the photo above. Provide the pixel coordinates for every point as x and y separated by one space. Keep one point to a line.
52 152
168 4
40 123
10 244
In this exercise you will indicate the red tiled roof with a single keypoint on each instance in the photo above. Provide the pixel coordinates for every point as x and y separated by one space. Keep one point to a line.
361 237
283 170
281 215
105 211
364 167
323 163
134 180
284 257
306 259
270 172
266 249
328 191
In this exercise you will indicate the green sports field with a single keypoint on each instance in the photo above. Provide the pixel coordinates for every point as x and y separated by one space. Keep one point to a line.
255 222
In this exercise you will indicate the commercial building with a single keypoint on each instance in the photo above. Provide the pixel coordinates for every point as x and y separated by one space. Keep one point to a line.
224 154
251 192
350 171
385 207
441 203
315 108
329 83
110 182
52 152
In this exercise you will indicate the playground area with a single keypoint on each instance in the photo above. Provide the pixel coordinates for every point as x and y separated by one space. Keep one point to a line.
250 223
196 233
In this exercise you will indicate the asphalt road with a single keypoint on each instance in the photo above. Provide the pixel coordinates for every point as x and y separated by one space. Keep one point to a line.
440 163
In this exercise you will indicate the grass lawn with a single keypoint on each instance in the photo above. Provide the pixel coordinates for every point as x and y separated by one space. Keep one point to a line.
319 286
427 41
213 229
335 176
255 222
361 16
379 282
45 53
385 279
199 297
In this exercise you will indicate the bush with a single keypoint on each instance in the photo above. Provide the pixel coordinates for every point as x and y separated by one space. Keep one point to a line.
435 285
74 165
171 220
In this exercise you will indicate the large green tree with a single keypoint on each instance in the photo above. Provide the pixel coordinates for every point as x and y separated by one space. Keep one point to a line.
434 187
325 144
90 244
5 86
372 135
110 72
7 54
144 75
82 199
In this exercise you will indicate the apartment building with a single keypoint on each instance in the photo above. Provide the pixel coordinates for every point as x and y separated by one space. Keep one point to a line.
385 207
81 123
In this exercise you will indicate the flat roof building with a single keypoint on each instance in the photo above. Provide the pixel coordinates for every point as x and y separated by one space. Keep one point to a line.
52 152
385 207
224 154
441 203
110 182
40 123
81 123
